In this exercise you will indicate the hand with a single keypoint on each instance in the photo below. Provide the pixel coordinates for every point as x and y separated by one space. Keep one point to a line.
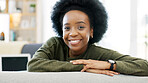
92 64
106 72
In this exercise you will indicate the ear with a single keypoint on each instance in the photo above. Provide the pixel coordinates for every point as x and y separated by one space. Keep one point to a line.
91 32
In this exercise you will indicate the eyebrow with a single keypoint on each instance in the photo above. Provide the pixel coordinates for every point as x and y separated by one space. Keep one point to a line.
67 24
80 22
75 23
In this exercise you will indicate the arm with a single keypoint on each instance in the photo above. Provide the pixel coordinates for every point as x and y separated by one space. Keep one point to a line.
45 65
131 65
124 64
50 59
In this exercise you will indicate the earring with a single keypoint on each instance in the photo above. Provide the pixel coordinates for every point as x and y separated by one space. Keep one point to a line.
91 36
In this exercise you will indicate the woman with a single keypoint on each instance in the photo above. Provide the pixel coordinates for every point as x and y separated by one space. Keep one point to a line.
79 24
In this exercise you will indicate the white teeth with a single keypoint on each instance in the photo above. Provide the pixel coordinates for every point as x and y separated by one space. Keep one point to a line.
74 41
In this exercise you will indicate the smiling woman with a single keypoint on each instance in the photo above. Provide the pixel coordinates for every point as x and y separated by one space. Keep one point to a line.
76 32
79 24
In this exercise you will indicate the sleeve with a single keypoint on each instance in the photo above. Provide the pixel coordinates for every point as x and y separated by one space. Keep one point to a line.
131 65
44 61
128 65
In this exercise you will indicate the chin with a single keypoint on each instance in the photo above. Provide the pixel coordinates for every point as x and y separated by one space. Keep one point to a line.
75 48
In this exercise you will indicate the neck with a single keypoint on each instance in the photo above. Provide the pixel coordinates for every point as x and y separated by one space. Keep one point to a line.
74 54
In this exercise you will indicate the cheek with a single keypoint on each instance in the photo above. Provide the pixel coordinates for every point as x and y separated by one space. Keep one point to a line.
87 35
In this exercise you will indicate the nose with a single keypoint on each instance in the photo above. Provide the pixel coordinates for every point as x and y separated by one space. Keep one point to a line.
73 32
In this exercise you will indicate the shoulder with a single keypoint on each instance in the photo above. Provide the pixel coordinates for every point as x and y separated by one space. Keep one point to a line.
54 41
99 48
103 53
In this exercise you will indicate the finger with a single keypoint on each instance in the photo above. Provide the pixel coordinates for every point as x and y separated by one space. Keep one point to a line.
77 60
91 71
110 73
80 62
84 69
106 72
113 72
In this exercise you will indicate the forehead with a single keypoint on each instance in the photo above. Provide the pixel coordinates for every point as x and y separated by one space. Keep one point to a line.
75 15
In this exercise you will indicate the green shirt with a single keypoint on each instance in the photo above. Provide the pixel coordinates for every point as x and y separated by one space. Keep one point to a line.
53 56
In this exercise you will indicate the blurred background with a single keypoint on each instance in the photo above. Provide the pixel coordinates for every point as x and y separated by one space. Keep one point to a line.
29 20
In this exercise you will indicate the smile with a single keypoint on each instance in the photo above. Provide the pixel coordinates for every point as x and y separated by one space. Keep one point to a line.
74 42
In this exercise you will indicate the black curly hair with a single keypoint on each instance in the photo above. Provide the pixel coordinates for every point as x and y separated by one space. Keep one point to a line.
93 8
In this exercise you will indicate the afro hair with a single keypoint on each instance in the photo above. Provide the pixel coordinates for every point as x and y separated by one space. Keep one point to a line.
93 8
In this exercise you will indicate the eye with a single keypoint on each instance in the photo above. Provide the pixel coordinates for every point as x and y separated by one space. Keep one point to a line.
66 28
80 27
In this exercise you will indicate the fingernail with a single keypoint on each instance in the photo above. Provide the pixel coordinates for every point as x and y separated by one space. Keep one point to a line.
112 74
116 73
71 61
74 62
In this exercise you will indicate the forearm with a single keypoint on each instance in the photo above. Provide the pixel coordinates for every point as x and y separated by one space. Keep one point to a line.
45 65
139 67
129 65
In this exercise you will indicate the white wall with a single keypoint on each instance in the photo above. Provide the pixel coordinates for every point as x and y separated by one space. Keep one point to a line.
133 27
47 25
117 36
44 25
142 29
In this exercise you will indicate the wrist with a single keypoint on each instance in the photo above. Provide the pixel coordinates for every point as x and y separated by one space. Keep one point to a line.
112 65
108 65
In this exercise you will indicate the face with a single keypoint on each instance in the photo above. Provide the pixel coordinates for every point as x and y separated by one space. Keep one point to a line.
76 31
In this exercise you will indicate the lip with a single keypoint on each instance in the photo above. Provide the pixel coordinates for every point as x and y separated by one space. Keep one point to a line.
74 41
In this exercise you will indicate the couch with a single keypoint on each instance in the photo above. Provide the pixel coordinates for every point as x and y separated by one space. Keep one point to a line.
30 48
67 77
